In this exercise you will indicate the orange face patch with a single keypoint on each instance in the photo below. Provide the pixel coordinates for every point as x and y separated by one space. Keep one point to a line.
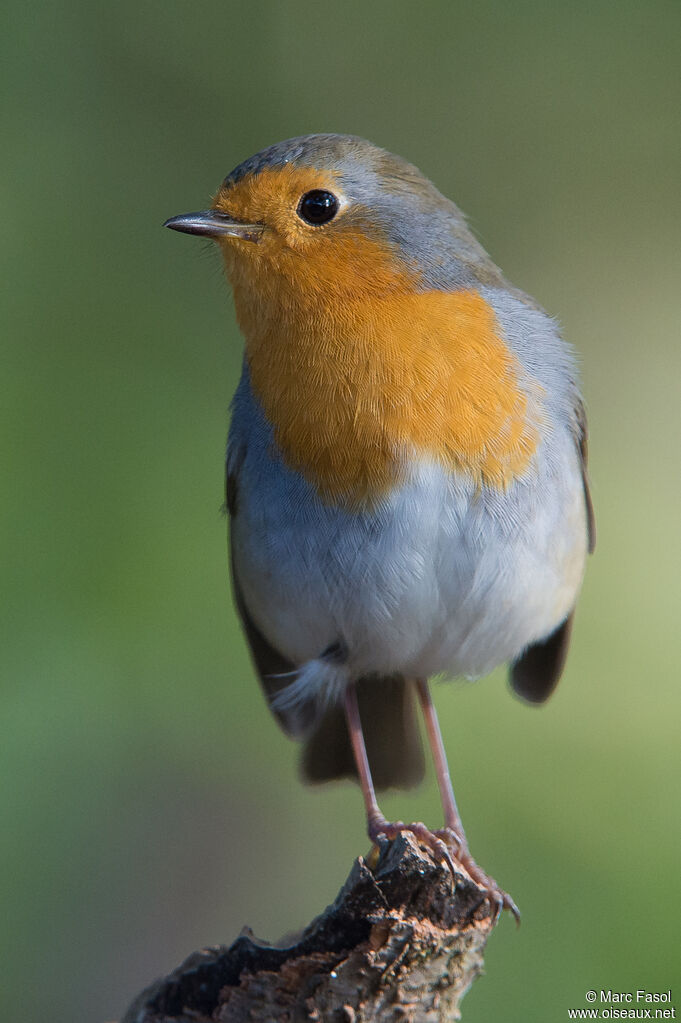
272 197
357 371
297 263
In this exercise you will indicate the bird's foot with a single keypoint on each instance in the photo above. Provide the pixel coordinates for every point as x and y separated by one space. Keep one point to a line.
497 897
379 828
447 846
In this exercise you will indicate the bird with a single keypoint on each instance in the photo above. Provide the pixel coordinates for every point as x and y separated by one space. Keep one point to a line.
406 469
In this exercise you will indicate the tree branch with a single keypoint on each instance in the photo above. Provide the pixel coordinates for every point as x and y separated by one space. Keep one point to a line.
402 942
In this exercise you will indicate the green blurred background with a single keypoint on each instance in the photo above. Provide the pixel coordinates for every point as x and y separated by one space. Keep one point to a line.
149 803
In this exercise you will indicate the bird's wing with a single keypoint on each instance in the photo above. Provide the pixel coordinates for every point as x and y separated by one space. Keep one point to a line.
274 670
582 438
537 671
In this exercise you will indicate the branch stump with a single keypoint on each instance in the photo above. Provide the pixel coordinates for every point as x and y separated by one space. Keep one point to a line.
403 941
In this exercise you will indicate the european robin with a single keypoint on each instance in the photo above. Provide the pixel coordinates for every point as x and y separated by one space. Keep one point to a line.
406 464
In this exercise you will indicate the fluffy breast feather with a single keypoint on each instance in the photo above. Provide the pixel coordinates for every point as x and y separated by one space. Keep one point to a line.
354 393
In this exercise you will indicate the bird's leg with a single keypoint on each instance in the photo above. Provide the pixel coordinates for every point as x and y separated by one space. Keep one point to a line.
453 833
377 825
452 819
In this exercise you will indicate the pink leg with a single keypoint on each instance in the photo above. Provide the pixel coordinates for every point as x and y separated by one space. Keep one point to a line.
453 832
377 825
444 782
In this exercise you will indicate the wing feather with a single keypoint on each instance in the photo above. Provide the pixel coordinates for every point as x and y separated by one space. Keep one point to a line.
274 670
536 673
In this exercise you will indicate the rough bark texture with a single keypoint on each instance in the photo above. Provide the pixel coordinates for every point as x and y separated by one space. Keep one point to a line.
402 942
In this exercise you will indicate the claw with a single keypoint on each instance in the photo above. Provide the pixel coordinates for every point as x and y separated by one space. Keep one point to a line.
497 897
379 827
452 839
448 847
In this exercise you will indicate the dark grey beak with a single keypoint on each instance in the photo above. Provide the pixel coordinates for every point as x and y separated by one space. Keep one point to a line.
212 224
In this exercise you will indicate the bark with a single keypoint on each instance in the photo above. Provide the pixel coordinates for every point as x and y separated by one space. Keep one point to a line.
402 942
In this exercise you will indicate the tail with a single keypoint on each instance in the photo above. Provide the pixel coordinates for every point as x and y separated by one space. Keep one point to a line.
537 671
391 734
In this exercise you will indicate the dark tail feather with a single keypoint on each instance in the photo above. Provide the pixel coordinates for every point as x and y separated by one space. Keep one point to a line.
386 707
535 674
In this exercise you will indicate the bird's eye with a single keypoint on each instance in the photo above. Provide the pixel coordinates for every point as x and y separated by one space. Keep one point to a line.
318 207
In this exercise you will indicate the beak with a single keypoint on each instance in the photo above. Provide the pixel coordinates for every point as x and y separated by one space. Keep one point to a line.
212 224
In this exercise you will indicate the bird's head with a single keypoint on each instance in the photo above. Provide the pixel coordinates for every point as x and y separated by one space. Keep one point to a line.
324 218
357 286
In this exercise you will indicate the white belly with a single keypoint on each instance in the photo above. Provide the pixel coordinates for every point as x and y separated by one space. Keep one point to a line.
440 579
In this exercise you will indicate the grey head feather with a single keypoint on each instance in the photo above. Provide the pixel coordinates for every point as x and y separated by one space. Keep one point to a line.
428 229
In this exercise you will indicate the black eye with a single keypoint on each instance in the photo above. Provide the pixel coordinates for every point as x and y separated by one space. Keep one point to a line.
318 206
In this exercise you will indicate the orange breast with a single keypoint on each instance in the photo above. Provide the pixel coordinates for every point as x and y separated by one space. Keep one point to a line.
355 395
357 370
